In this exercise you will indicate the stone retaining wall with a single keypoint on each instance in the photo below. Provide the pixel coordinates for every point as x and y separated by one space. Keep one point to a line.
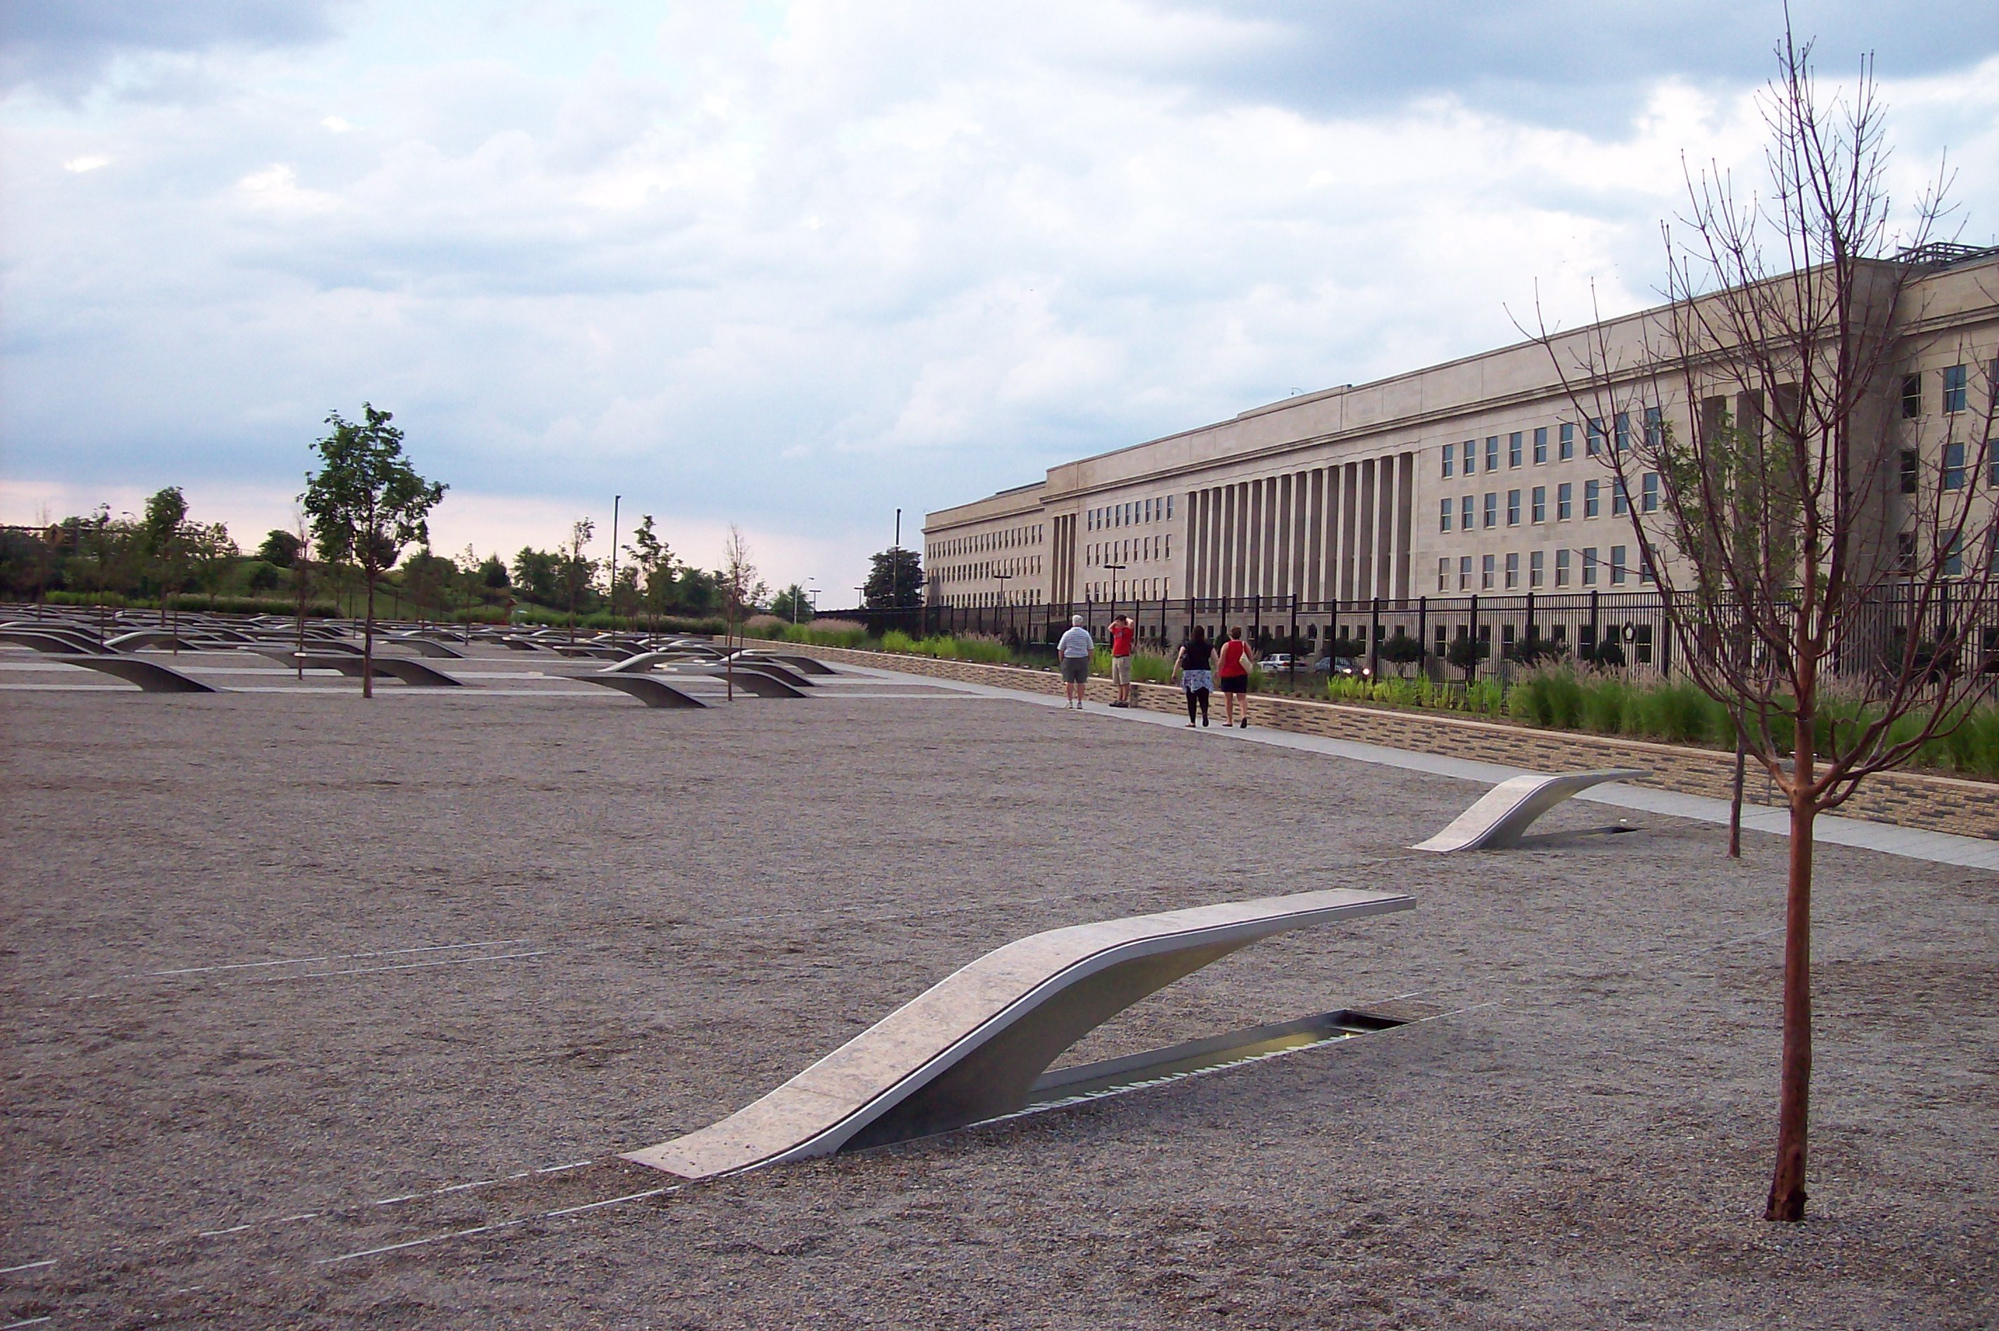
1938 803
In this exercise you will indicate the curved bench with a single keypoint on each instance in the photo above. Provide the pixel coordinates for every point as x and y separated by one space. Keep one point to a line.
1497 820
774 670
757 683
430 647
652 692
804 665
411 672
54 642
145 639
148 675
971 1047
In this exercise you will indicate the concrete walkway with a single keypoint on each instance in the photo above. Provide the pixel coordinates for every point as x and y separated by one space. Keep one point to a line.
1912 843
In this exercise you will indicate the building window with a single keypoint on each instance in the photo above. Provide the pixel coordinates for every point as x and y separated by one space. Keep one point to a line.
1464 573
1565 443
1910 469
1589 566
1540 444
1620 504
1540 503
1953 466
1593 446
1905 552
1492 508
1450 459
1444 574
1649 492
1561 568
1655 428
1565 501
1536 562
1513 508
1492 452
1953 556
1485 564
1513 449
1953 388
1471 456
1169 508
1592 506
1912 396
1617 566
1620 426
1512 571
1444 516
1464 513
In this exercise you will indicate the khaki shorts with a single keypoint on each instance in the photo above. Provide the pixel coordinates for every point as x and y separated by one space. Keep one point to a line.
1075 670
1120 670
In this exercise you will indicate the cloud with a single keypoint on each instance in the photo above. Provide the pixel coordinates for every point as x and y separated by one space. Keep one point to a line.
797 270
66 46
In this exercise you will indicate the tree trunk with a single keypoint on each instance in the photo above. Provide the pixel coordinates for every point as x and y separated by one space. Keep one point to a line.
1787 1186
1735 802
368 645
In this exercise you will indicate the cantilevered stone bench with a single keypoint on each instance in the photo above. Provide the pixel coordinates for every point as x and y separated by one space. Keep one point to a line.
804 665
648 690
1503 813
430 647
55 643
757 683
145 639
971 1047
148 675
414 673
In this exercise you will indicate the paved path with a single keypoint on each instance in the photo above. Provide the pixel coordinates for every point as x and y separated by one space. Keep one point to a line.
1913 843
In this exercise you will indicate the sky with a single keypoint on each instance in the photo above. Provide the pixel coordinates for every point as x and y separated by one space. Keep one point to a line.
793 266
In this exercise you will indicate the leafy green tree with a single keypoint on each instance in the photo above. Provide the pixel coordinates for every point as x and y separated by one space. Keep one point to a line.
1465 652
1401 650
535 575
367 503
653 565
895 581
793 604
163 542
493 574
577 571
280 548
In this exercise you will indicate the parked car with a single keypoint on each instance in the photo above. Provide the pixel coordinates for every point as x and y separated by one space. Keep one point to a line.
1339 665
1275 662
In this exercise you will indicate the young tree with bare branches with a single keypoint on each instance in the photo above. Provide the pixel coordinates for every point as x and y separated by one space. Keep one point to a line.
1822 579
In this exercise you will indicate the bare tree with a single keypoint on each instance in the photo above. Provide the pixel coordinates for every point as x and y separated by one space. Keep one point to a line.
1812 567
742 588
577 570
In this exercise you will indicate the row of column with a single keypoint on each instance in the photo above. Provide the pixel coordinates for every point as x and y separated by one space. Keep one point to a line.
1326 533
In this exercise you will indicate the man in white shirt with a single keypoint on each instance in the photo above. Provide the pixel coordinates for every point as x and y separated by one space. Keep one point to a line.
1073 649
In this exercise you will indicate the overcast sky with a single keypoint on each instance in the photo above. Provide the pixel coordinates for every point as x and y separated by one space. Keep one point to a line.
794 265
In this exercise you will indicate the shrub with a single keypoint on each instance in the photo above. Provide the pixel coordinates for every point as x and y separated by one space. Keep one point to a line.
895 640
1603 703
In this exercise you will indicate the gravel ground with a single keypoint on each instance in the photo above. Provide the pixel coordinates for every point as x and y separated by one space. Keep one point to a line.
224 1051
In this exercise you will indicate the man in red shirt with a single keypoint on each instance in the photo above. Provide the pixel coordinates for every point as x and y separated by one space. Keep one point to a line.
1122 633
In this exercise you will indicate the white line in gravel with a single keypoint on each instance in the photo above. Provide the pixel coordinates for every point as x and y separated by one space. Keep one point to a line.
1908 842
406 966
27 1266
339 956
499 1225
32 1321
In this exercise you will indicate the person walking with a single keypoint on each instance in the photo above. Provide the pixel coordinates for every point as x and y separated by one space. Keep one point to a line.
1232 678
1194 665
1122 633
1073 649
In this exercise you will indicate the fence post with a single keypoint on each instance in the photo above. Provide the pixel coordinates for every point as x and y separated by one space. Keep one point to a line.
1423 633
1471 636
1374 639
1595 629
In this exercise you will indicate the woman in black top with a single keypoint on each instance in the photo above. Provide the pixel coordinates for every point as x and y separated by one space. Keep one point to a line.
1195 664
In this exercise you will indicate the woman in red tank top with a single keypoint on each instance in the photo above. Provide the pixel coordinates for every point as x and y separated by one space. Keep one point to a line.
1232 678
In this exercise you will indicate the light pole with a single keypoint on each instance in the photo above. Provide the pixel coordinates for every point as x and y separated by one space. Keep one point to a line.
615 499
1114 570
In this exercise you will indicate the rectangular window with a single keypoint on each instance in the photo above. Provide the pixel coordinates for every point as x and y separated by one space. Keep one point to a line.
1512 571
1513 508
1905 552
1471 456
1620 426
1536 566
1561 568
1444 574
1464 514
1565 501
1617 566
1485 573
1912 396
1619 504
1655 427
1953 466
1649 492
1589 566
1593 446
1910 469
1464 573
1540 444
1592 505
1492 452
1492 508
1953 388
1539 511
1450 459
1513 449
1953 556
1444 516
1565 446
